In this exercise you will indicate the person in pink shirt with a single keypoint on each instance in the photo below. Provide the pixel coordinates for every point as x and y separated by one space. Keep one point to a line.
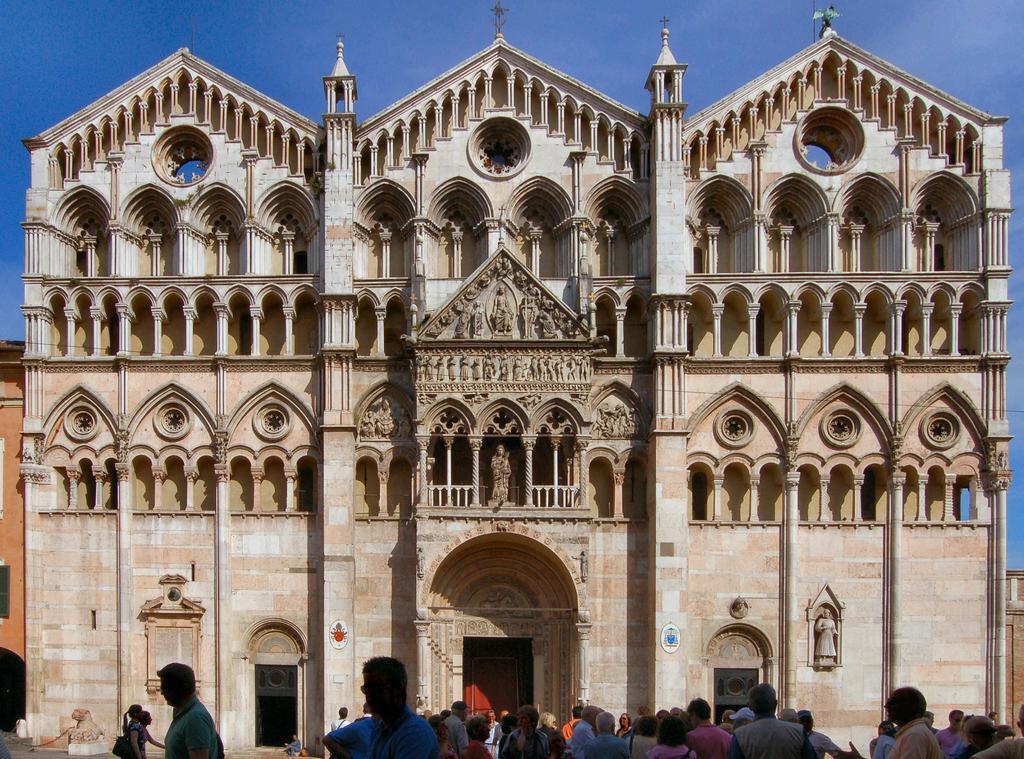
709 741
672 741
949 738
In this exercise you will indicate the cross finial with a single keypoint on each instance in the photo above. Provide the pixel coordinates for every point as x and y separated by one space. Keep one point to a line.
664 22
499 18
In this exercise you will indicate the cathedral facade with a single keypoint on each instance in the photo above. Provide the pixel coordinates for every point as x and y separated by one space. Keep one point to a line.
555 401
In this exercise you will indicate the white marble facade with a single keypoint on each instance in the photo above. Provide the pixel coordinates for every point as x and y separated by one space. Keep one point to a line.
683 401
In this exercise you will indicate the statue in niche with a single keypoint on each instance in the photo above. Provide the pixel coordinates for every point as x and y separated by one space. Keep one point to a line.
476 321
527 311
462 318
420 562
546 323
501 473
584 565
502 311
825 637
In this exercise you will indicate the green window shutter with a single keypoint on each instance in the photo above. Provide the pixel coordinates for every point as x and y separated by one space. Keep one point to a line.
5 591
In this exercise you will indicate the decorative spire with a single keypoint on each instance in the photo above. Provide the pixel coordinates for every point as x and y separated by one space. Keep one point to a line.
499 20
340 69
665 58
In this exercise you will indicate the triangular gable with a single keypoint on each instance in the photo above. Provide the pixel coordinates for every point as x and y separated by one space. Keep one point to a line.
123 96
843 47
503 300
513 57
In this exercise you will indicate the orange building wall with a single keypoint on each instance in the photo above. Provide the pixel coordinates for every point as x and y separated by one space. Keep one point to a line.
12 522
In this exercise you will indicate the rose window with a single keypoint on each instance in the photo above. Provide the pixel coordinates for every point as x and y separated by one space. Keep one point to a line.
499 148
941 430
734 428
499 156
173 421
272 422
841 429
829 140
83 423
183 156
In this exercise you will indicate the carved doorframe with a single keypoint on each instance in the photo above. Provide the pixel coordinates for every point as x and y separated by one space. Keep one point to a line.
554 653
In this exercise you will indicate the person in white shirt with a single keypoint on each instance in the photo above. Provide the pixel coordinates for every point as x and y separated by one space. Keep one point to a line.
342 720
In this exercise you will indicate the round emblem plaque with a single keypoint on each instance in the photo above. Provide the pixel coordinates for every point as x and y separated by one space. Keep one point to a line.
670 638
338 635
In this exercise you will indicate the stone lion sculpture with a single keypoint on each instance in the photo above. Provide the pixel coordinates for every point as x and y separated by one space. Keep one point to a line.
85 730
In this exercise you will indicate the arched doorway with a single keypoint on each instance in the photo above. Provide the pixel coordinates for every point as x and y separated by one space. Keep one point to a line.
277 653
503 627
739 657
12 689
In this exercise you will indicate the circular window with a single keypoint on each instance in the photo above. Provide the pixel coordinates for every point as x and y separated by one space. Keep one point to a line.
80 424
272 422
499 148
173 421
940 430
841 429
734 428
829 140
183 156
174 595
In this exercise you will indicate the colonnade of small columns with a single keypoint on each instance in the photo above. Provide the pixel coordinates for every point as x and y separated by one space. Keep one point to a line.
114 329
176 486
556 494
796 319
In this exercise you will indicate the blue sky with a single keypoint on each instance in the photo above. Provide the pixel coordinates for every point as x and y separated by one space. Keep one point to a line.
65 54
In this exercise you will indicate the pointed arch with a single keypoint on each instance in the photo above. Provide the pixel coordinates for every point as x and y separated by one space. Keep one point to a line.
385 196
172 390
737 391
844 392
271 390
955 398
618 195
459 194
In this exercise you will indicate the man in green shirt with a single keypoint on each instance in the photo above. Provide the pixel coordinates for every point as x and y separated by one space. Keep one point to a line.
191 734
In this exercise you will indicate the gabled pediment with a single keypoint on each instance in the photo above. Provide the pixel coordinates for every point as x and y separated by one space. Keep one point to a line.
504 301
858 61
179 66
513 63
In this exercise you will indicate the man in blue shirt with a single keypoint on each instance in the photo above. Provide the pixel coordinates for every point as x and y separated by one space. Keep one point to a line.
403 734
354 740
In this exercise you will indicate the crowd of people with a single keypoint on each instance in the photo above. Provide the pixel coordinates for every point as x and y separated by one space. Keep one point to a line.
391 730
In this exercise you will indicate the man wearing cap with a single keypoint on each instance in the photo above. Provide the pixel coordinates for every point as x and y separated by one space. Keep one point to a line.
978 733
743 717
458 739
820 742
709 741
767 737
191 734
1008 749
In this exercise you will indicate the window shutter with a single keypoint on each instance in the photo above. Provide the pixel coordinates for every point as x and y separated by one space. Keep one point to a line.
5 591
